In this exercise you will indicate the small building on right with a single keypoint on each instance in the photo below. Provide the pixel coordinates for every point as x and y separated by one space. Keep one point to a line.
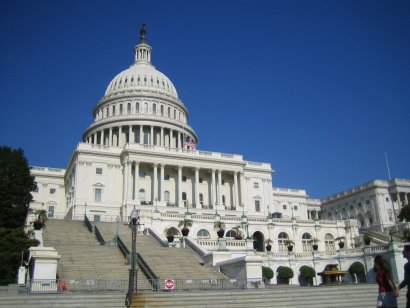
375 204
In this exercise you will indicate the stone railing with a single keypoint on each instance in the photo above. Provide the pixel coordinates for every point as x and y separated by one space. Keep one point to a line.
230 244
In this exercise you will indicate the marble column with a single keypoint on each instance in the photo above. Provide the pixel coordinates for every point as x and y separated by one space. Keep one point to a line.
161 181
141 134
162 137
151 136
197 188
155 183
235 190
179 201
213 188
110 137
102 137
131 135
136 178
219 189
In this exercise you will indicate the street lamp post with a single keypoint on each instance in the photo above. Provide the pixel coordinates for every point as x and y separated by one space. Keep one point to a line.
132 286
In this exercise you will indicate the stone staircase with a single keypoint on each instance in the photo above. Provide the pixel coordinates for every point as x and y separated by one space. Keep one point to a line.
63 300
357 296
166 262
82 256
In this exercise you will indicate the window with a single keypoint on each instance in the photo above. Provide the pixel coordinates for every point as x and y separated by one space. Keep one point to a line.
145 107
295 207
367 202
166 177
52 191
387 199
203 234
183 178
146 137
129 108
223 182
141 195
166 196
184 196
98 171
329 242
201 199
154 108
142 174
256 185
37 188
162 110
306 242
175 114
169 112
223 200
351 207
282 238
201 180
97 194
137 108
390 214
120 108
113 110
230 233
285 207
97 217
50 212
257 205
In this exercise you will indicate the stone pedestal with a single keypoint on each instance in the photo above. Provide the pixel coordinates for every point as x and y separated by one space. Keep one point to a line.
43 269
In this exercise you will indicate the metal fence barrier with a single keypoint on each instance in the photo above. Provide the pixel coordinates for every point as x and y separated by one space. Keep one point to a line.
143 285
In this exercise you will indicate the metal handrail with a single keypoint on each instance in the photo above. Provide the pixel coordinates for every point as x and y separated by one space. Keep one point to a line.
88 223
146 269
149 273
123 248
99 236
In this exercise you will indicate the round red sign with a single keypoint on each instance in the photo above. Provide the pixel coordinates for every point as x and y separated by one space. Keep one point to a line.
169 284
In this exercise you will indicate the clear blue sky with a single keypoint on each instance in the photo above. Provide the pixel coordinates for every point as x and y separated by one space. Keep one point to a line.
320 89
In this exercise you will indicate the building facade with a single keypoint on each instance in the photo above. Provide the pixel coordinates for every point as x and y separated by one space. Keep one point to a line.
141 152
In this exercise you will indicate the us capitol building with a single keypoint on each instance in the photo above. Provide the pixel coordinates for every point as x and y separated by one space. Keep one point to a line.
140 151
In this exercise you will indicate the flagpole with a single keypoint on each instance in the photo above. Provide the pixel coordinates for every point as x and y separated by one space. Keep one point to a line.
387 164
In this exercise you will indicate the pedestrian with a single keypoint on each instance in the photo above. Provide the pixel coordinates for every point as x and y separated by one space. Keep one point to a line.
387 289
406 280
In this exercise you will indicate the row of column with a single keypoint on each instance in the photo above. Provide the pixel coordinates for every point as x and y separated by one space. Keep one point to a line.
158 186
118 136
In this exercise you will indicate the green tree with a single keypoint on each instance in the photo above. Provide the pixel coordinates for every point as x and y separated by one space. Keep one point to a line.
16 183
13 242
404 213
267 272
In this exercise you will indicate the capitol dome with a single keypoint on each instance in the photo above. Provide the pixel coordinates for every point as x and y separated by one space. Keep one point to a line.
141 106
142 75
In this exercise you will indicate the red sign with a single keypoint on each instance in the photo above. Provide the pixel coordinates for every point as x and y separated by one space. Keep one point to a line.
169 284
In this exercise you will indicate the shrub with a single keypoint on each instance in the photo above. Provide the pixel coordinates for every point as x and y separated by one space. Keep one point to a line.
267 272
356 268
307 272
285 272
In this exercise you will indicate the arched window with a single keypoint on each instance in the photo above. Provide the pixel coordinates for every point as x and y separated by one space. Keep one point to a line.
137 108
175 114
203 234
223 200
162 110
166 196
141 195
329 242
169 112
230 233
306 242
145 107
129 108
282 237
120 108
154 108
184 196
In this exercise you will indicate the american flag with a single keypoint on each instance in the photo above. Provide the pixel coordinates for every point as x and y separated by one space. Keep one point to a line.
190 142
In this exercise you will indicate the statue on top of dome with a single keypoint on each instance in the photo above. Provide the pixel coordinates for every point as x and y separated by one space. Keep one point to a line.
143 32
